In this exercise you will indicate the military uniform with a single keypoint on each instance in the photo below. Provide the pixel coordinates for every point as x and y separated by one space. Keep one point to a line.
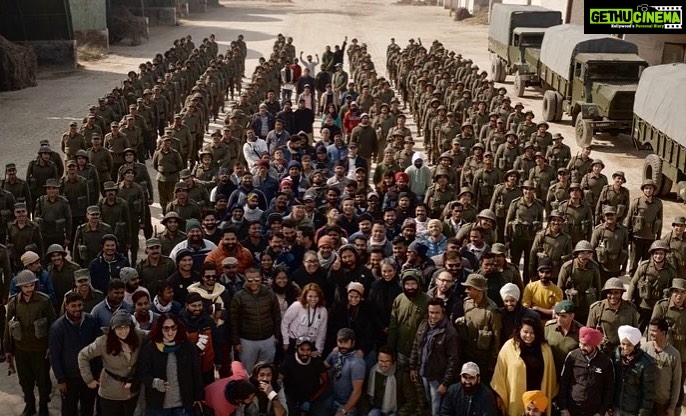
135 197
76 192
592 185
648 285
37 174
561 344
607 320
483 186
578 167
557 248
479 332
135 137
152 274
471 166
88 242
500 204
90 174
168 165
615 198
18 237
102 160
20 190
580 285
578 220
186 211
523 221
170 241
558 156
54 219
186 140
557 194
506 155
676 318
437 199
644 223
543 177
7 202
72 144
117 216
611 247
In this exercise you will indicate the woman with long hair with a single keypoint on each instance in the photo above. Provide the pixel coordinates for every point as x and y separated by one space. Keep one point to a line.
524 363
383 292
306 318
266 267
119 348
286 291
170 369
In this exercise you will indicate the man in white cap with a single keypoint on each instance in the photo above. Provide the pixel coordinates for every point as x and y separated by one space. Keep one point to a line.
44 284
469 396
634 375
513 312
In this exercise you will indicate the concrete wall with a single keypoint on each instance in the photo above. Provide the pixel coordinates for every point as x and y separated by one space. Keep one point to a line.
650 47
89 20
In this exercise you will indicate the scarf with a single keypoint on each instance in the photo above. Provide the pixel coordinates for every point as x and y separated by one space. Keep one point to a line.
167 347
159 307
390 399
326 263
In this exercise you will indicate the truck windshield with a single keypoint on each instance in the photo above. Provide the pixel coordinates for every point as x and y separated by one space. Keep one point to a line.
614 71
530 40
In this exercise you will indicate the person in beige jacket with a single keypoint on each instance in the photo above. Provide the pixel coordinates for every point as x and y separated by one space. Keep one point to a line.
118 348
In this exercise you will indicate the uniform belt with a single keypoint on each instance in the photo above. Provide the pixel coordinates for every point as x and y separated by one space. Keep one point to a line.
117 377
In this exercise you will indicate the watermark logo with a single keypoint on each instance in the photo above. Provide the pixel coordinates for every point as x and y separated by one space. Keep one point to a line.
643 18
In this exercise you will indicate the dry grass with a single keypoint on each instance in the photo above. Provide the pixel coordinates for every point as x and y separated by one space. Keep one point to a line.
479 18
88 53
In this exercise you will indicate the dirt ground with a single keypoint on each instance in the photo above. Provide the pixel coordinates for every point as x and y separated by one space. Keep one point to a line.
44 112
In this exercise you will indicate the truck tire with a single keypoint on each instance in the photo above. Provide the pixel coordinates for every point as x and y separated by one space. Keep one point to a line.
496 70
652 169
583 132
519 85
503 71
549 105
558 109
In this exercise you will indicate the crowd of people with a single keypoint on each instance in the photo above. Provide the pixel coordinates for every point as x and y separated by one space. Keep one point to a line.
312 261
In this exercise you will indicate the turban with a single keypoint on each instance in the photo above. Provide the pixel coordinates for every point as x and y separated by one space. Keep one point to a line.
536 397
402 175
510 289
630 333
590 336
325 240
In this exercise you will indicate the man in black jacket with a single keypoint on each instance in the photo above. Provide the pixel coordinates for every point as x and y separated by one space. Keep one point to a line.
469 396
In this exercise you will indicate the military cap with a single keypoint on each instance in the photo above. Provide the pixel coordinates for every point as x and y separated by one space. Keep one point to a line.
456 140
614 283
679 221
519 105
475 281
82 274
152 242
129 150
565 306
93 209
555 214
488 154
620 174
609 210
185 173
132 106
512 172
73 124
55 248
543 123
478 146
20 206
10 166
539 154
466 124
598 162
25 277
82 153
528 185
487 214
110 186
544 264
574 185
170 215
465 190
658 245
44 142
147 91
127 169
582 245
528 145
648 182
96 136
44 149
558 136
498 248
678 283
180 186
52 183
116 124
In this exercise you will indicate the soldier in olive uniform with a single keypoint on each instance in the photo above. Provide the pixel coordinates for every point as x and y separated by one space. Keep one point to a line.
649 282
135 136
558 154
563 340
672 309
439 195
615 195
7 202
609 314
611 243
171 236
551 243
17 187
465 197
579 279
29 317
39 171
168 163
116 142
594 182
580 164
197 191
90 128
183 205
101 159
54 158
75 189
503 195
218 150
527 128
22 232
156 267
578 215
53 215
134 195
677 245
516 117
485 180
559 192
88 237
541 137
542 175
115 213
142 178
525 162
72 142
507 153
644 223
183 133
472 164
524 219
486 220
90 174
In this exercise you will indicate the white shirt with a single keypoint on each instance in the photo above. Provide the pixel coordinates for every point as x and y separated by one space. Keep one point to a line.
253 151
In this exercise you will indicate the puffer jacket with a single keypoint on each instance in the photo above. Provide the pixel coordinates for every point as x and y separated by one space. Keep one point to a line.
254 317
443 356
634 385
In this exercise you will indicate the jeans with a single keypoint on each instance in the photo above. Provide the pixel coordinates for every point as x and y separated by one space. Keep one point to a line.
256 351
285 95
432 396
78 392
174 411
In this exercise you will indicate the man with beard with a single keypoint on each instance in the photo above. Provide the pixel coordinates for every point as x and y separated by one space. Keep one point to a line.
61 270
184 275
513 312
230 278
71 333
82 286
635 375
25 340
349 374
156 267
216 299
408 311
493 276
434 355
107 264
113 302
326 254
278 252
364 135
183 205
255 242
542 295
609 314
200 328
382 389
305 379
583 392
469 396
551 245
195 244
209 226
350 269
255 321
240 195
172 235
230 247
131 280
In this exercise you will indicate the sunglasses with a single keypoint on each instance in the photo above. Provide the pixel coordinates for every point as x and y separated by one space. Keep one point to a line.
169 328
210 276
252 280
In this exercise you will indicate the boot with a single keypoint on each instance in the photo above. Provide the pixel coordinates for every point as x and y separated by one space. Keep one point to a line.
29 409
43 409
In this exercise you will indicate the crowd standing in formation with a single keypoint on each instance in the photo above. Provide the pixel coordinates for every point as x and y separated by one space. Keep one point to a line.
337 274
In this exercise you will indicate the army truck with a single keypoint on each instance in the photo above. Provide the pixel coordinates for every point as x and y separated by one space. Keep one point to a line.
593 78
514 30
659 125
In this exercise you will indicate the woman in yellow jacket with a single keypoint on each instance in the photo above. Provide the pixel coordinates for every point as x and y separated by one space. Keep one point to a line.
524 363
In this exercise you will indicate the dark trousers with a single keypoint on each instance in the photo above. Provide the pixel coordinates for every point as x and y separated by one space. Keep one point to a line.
166 190
33 370
75 222
118 407
78 393
644 315
517 248
639 251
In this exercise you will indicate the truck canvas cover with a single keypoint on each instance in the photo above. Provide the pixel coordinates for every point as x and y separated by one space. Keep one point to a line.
562 43
506 17
661 94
